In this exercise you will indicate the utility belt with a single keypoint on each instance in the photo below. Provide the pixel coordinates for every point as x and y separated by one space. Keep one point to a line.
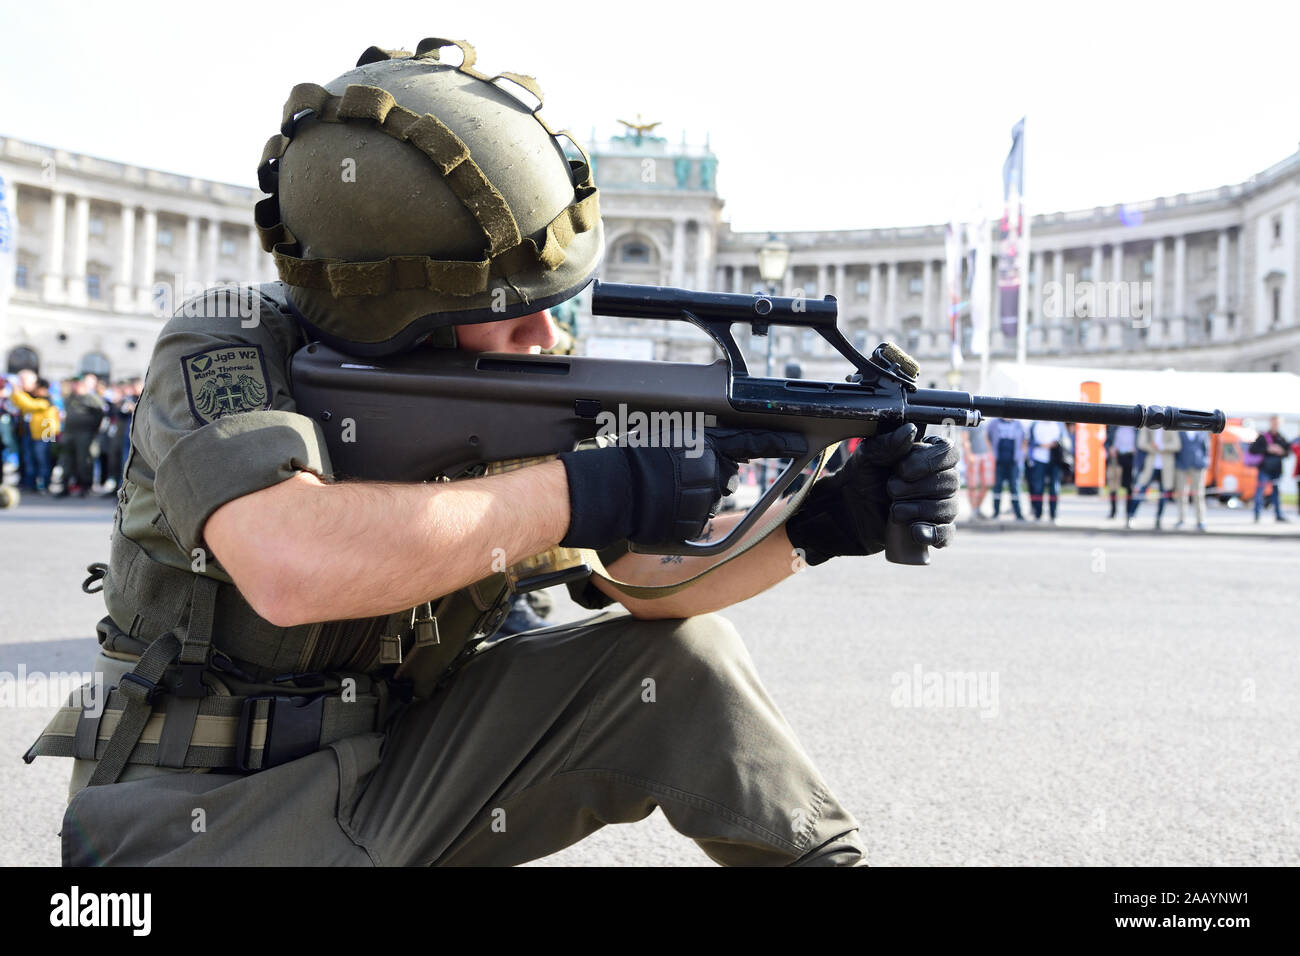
187 705
215 731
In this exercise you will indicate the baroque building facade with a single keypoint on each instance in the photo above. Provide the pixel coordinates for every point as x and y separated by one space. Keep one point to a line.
1203 281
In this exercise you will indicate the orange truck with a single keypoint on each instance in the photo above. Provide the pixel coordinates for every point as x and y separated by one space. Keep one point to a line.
1229 476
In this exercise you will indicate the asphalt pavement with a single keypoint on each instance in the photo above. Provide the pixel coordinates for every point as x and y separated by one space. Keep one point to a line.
1060 695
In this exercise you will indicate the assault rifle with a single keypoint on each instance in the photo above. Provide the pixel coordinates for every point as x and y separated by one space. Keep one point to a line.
444 412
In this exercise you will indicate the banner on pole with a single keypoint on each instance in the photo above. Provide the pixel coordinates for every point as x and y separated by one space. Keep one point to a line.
981 288
8 258
953 247
1011 231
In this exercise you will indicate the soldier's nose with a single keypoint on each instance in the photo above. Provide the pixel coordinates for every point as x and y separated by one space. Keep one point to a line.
536 331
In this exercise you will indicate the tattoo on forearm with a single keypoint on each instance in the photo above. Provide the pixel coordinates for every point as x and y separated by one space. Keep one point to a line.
677 558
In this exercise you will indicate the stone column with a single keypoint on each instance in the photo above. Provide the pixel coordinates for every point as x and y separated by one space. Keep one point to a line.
1097 276
213 250
1218 323
1092 338
737 278
1180 277
703 252
1174 334
1156 334
191 276
891 297
927 295
148 261
53 287
124 288
1115 324
838 287
1221 280
875 294
945 302
1062 304
823 284
255 261
679 253
1035 294
80 244
1157 280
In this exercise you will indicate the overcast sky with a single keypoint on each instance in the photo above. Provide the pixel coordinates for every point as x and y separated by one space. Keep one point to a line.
823 115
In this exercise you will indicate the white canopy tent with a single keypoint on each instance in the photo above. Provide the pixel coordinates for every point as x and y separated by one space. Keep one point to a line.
1240 394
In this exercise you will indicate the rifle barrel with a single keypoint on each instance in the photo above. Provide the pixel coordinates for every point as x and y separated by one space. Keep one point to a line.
1138 416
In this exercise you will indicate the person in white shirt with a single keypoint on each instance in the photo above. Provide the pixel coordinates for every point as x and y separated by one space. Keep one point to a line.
1049 442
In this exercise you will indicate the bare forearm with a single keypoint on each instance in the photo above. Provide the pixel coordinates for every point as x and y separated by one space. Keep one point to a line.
337 551
767 563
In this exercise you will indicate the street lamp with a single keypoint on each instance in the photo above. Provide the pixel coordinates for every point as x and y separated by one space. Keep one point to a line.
773 258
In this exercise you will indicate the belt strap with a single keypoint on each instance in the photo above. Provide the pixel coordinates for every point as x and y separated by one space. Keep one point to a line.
242 732
140 688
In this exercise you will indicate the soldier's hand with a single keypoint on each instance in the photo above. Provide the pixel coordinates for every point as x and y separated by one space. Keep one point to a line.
661 495
890 477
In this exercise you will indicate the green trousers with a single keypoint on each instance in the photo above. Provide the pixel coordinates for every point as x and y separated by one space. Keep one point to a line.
540 740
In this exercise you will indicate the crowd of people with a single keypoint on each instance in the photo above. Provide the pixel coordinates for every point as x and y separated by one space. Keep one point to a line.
1002 453
66 438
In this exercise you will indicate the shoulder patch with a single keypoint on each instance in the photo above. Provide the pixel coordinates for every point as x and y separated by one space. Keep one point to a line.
225 380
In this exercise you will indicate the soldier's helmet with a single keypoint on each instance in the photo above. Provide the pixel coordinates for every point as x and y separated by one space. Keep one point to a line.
410 195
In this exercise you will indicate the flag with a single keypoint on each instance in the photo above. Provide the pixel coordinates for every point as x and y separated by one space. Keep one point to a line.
8 255
980 288
1011 230
953 246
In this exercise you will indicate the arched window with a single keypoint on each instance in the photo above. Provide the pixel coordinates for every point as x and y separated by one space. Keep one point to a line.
635 253
95 363
22 357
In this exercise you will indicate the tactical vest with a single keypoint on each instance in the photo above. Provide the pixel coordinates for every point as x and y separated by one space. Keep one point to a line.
216 685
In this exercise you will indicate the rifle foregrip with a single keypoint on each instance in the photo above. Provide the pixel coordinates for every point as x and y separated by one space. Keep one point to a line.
901 547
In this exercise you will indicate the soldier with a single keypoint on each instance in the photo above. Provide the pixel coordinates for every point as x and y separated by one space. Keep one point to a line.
301 668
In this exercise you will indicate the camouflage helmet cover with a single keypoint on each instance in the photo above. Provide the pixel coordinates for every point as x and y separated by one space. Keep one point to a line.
409 195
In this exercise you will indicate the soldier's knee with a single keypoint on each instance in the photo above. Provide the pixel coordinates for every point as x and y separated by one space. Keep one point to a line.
706 642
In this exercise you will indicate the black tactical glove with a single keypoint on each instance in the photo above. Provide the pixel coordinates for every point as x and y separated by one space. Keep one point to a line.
890 475
660 495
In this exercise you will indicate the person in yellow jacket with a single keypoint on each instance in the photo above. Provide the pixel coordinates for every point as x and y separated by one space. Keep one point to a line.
43 420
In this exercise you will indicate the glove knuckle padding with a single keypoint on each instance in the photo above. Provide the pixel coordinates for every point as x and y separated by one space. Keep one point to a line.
889 447
928 457
945 484
939 511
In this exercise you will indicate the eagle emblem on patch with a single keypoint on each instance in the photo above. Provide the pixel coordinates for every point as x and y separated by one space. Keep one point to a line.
225 380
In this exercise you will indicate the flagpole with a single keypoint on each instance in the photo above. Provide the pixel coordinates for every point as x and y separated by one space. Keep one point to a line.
1022 305
992 269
